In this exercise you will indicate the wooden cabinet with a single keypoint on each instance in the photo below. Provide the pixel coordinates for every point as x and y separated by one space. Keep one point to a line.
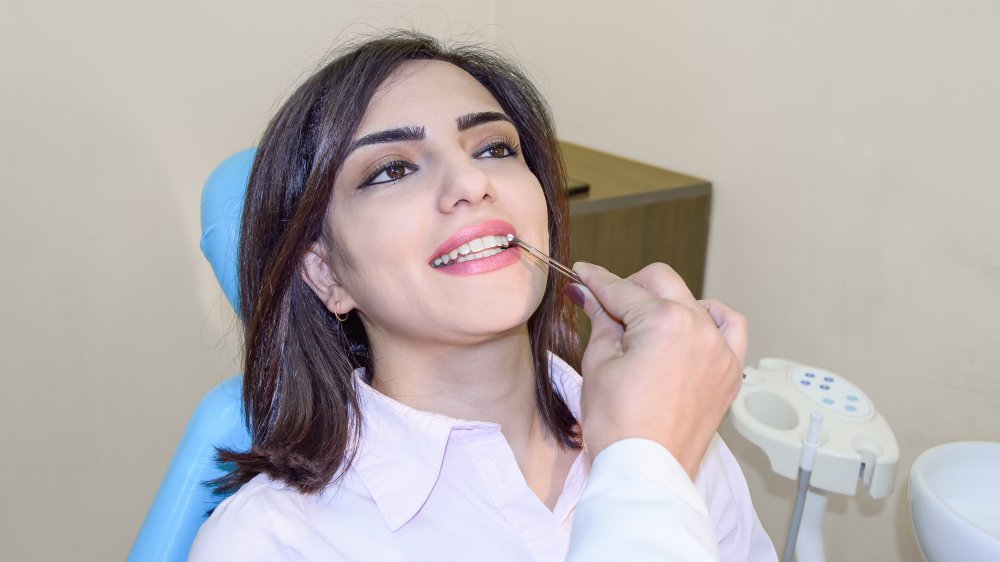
635 214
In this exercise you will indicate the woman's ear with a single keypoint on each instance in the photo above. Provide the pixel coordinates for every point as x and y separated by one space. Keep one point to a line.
318 273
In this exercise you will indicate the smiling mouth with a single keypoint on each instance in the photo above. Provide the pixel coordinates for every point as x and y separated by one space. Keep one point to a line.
476 249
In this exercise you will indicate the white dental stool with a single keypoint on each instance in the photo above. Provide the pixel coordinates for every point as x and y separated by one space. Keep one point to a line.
819 428
955 502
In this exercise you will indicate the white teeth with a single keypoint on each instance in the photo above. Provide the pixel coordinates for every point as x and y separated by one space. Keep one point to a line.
473 250
484 254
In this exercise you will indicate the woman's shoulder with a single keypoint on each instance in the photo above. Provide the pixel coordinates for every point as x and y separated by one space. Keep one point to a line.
720 479
250 524
270 520
721 482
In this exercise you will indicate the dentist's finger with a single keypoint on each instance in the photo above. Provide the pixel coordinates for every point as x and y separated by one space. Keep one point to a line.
619 297
603 328
661 280
731 324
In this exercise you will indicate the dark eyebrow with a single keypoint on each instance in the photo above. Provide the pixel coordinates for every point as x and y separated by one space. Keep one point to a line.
400 134
473 119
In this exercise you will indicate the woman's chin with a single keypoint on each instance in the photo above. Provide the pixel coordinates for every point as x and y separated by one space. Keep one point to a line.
487 321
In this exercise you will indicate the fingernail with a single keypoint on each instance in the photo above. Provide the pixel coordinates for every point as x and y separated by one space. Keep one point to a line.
573 293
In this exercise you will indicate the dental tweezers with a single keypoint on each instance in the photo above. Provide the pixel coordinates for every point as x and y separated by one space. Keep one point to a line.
569 273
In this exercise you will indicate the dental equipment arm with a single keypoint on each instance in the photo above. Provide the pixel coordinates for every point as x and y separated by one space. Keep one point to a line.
806 462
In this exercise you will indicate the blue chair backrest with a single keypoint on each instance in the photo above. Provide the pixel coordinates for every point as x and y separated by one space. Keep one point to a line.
183 499
221 214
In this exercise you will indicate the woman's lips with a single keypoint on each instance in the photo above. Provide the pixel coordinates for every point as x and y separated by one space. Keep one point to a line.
494 227
475 249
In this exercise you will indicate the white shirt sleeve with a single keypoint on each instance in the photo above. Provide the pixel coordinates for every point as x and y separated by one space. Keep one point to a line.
640 504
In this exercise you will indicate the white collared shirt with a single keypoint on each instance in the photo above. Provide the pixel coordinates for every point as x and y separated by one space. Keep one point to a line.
424 486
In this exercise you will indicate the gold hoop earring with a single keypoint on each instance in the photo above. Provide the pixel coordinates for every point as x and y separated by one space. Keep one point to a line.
339 318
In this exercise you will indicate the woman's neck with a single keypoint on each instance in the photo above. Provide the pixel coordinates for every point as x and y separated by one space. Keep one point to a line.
491 381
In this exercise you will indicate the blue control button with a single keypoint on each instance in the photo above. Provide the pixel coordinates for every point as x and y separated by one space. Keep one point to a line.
828 401
811 375
805 383
828 379
852 398
850 408
825 386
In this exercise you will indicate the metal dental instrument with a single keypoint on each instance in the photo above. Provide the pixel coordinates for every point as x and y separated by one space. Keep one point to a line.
514 240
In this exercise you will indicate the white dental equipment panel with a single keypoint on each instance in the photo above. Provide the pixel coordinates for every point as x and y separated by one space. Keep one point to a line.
856 443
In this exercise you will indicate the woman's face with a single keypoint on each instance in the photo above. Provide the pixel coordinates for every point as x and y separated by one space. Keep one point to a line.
435 173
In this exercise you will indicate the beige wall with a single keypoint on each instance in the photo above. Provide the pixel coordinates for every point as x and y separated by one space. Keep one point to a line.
855 154
852 146
112 326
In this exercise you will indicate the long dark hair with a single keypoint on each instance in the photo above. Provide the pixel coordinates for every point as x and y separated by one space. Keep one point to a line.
298 387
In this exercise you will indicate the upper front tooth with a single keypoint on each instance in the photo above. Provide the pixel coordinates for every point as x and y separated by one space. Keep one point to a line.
474 246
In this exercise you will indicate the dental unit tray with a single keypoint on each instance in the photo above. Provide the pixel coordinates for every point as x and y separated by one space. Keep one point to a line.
773 411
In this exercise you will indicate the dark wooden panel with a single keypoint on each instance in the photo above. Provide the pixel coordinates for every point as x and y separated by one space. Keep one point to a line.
636 214
626 240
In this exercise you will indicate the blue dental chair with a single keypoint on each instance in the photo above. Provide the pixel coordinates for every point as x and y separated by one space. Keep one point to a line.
183 499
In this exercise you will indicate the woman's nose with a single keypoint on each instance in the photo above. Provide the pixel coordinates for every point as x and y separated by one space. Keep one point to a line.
464 183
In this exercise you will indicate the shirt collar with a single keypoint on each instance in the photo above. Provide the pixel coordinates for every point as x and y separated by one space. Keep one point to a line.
402 448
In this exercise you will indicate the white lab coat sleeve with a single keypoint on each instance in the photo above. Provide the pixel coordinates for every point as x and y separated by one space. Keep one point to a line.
639 504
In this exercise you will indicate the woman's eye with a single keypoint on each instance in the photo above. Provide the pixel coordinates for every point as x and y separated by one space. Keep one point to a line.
498 150
390 172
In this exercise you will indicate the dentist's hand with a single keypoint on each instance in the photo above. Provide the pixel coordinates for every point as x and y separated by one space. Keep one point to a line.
660 365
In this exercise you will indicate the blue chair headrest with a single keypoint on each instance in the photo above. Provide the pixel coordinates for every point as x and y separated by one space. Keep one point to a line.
221 214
